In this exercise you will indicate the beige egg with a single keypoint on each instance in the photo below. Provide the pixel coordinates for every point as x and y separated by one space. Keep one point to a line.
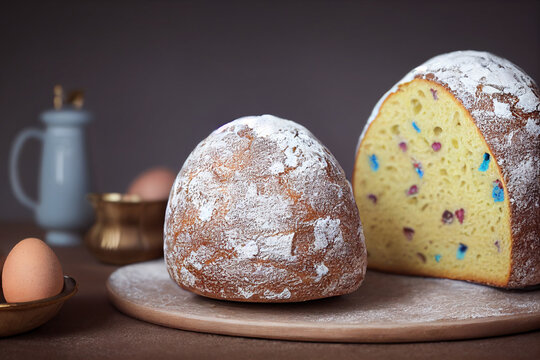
31 272
153 184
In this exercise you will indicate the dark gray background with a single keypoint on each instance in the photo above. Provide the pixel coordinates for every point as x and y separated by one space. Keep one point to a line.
161 75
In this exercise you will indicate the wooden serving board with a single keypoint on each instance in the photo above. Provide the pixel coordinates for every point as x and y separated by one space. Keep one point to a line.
386 308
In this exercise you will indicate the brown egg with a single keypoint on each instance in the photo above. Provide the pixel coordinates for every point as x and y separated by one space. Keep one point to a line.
31 272
153 184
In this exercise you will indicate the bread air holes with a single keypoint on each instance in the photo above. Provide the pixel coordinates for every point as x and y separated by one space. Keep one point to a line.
437 130
421 93
457 119
455 144
443 172
412 201
417 106
395 129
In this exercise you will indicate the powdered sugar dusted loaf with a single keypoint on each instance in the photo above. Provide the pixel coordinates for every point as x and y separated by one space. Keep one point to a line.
261 211
502 105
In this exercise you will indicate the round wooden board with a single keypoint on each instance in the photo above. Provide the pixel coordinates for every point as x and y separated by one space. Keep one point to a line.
386 308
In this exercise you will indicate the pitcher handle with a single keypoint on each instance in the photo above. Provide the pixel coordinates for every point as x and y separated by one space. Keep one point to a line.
16 148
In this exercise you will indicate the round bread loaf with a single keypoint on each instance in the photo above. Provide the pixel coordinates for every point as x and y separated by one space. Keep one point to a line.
261 211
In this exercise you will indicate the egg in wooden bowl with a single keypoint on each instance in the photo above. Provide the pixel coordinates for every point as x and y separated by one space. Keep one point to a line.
33 287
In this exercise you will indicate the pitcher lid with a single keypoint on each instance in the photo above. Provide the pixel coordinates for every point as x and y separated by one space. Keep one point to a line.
65 116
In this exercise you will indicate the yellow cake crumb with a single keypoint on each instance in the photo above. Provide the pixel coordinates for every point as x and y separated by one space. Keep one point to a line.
429 191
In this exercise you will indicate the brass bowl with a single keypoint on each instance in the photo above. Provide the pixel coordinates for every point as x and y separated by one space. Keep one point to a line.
127 229
16 318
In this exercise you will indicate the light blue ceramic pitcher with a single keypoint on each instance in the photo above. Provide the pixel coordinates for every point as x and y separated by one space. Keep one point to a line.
62 208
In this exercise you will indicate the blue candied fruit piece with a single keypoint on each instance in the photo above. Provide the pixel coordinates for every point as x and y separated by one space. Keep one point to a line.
415 126
373 162
485 163
438 257
498 192
462 249
418 169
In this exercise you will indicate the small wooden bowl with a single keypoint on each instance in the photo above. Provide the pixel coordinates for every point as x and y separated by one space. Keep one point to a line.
16 318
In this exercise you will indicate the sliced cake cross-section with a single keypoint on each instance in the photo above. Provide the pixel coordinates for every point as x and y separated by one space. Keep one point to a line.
447 176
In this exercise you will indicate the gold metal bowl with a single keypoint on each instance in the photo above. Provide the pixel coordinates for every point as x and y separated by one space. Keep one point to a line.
127 229
16 318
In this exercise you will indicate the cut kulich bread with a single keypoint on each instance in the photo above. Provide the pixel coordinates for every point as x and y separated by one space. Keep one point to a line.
447 173
261 211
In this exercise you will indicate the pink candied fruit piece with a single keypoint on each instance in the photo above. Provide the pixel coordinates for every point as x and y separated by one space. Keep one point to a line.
434 93
412 190
373 198
460 214
403 146
408 232
436 146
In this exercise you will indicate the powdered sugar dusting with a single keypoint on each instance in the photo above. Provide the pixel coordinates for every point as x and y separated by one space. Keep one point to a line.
248 250
532 127
520 174
186 277
277 168
326 231
276 247
501 109
466 71
243 293
321 270
255 202
285 294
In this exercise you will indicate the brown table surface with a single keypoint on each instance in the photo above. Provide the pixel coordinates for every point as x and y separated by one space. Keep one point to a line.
89 327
